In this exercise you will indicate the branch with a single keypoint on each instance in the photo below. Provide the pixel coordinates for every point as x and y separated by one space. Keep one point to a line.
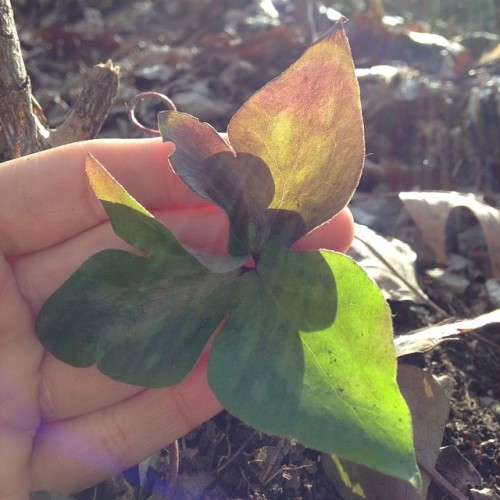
22 130
23 127
92 106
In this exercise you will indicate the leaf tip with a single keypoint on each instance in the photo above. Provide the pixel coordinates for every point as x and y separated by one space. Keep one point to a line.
107 188
416 481
97 175
338 27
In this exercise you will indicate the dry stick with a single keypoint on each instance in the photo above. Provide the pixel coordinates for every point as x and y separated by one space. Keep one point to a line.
303 14
92 106
409 285
21 128
236 454
173 456
482 338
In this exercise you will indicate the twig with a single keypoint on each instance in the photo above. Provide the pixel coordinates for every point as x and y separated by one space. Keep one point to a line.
414 289
482 338
23 127
238 452
91 107
137 99
173 456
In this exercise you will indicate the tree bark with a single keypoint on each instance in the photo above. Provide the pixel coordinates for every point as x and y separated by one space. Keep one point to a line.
22 130
91 107
23 127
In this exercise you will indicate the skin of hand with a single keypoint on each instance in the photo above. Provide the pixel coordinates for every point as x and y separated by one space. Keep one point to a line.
66 428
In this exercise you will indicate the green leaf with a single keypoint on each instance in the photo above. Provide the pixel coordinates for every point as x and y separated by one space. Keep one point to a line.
162 307
317 361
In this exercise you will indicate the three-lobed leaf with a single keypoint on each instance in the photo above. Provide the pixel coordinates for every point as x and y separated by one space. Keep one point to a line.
307 350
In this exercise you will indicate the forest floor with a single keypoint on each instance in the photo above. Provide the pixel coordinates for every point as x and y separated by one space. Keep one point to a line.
432 123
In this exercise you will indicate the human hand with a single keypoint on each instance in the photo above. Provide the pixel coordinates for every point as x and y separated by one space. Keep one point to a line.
67 428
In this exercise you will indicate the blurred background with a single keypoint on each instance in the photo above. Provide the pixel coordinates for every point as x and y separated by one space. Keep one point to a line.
428 70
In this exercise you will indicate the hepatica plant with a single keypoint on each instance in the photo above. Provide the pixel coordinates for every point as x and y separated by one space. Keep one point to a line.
307 350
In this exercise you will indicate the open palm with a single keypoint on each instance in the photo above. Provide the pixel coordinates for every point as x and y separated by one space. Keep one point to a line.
67 428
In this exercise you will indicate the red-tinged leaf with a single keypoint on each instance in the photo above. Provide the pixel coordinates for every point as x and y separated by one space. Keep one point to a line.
307 126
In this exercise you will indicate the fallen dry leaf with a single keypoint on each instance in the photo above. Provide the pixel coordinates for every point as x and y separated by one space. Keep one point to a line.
389 262
425 339
430 211
456 469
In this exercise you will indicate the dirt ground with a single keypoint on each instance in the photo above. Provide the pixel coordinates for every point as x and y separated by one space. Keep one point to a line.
209 56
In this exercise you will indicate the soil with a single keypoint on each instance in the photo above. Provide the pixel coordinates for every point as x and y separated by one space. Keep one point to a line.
209 56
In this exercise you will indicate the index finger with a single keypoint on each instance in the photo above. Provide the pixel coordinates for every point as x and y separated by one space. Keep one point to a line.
46 198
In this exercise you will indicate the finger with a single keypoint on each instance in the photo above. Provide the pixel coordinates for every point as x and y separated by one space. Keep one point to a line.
20 357
66 391
15 449
48 197
336 234
41 273
77 453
